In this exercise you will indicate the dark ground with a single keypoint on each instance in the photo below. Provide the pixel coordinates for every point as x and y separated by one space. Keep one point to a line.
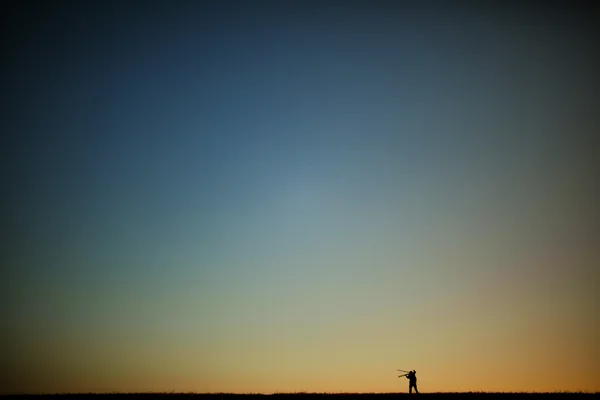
313 396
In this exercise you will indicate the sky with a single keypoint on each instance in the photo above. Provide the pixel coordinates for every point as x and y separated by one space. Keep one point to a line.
299 196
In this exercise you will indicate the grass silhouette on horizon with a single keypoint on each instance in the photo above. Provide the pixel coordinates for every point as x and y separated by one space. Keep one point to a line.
301 395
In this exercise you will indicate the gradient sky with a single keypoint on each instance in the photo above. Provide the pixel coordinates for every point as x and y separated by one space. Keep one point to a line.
242 197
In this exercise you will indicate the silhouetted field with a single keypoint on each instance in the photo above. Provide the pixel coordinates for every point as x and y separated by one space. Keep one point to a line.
316 396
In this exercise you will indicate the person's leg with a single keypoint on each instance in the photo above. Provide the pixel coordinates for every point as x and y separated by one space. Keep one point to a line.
416 390
409 388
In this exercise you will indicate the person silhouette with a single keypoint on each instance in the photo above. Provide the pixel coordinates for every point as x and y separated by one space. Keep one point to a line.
412 381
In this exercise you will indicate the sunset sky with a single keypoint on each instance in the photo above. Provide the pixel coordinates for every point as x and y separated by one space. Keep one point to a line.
278 197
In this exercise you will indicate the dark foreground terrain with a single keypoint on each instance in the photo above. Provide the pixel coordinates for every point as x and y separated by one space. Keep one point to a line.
313 396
